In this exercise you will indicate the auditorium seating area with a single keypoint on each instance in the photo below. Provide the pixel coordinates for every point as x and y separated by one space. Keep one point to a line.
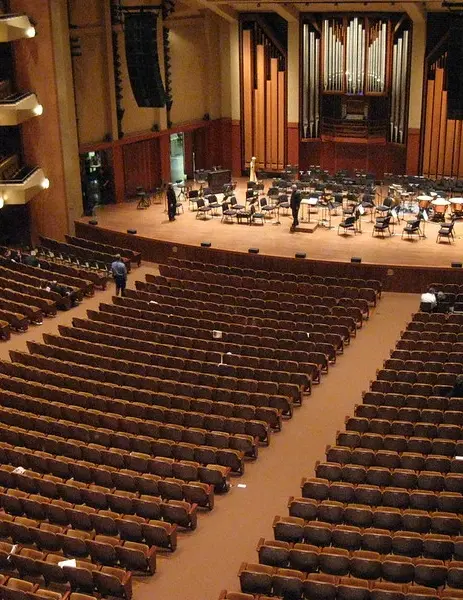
118 432
382 518
24 299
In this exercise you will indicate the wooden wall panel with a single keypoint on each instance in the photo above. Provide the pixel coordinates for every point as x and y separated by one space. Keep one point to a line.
259 109
247 97
263 97
141 166
281 120
443 138
274 113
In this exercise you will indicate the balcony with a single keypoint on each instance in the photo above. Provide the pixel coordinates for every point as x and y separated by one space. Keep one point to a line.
18 185
15 27
17 108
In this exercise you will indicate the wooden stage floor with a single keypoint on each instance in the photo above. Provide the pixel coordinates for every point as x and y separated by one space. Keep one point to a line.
277 240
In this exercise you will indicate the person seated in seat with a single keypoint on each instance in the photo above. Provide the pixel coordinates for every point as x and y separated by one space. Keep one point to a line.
457 390
30 260
63 290
428 300
443 305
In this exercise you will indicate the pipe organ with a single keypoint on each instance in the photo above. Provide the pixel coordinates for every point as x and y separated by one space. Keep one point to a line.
366 57
311 82
263 97
399 94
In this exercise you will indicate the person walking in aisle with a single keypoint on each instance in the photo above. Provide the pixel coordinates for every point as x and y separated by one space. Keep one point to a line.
119 272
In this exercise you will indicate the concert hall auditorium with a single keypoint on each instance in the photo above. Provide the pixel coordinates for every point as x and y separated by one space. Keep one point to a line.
231 300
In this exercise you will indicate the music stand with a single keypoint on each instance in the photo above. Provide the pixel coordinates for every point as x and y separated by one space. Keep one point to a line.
277 222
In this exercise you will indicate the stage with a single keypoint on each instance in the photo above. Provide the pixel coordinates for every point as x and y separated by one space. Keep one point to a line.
277 240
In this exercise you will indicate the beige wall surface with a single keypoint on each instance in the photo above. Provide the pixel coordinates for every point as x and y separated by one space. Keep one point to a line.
188 51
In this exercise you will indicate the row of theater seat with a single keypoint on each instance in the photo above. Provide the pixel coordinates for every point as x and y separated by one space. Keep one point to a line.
165 355
259 288
265 381
133 255
204 329
145 503
186 346
136 442
108 581
267 284
131 458
361 543
16 406
108 467
211 321
106 550
411 413
123 506
125 385
262 299
332 587
431 326
443 403
432 336
46 306
99 411
80 252
84 271
23 272
292 528
443 318
287 316
317 488
30 287
13 588
286 276
187 479
365 566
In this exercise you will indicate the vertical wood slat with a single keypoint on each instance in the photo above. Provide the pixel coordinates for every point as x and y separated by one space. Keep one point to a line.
274 112
247 96
436 111
449 149
260 107
442 136
427 130
281 120
459 170
268 123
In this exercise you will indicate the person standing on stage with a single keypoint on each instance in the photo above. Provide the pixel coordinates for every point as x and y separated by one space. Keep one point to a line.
171 202
252 170
119 272
295 203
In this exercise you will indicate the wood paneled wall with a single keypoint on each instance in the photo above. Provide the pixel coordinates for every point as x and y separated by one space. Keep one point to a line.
264 113
142 166
443 137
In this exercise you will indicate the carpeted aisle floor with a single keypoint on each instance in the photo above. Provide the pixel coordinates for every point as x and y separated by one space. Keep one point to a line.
208 559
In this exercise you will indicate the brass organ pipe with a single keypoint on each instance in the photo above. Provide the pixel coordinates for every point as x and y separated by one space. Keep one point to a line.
305 87
311 86
325 54
398 88
317 86
383 56
403 86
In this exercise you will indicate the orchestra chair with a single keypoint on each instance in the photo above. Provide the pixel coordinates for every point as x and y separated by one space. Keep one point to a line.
446 232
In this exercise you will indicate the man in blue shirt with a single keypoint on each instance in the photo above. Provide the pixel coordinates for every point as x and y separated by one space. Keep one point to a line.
119 272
